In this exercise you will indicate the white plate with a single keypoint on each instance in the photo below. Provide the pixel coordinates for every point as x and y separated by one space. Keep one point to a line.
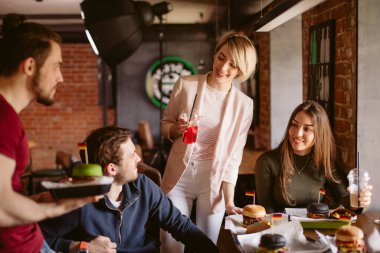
97 181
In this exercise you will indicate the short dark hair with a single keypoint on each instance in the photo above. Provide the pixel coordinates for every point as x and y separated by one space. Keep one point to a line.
21 40
103 145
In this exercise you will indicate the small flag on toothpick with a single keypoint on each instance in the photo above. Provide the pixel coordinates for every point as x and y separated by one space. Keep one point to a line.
322 191
344 218
251 194
277 216
83 146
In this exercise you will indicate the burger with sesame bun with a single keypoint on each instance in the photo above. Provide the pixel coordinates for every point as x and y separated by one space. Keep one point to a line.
349 239
253 214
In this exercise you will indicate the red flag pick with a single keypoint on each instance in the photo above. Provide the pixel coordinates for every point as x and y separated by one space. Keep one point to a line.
322 191
83 146
251 194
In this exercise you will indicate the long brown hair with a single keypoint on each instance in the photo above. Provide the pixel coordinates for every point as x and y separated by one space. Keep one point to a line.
323 151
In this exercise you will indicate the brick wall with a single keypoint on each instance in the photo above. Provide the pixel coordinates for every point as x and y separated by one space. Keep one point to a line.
344 12
262 132
75 112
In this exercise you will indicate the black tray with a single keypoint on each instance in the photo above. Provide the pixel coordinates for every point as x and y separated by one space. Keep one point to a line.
80 191
70 190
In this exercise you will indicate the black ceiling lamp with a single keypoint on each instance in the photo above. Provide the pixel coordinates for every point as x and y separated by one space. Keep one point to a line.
115 27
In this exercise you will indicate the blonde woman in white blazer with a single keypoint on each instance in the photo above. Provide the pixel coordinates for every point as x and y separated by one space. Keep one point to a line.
207 170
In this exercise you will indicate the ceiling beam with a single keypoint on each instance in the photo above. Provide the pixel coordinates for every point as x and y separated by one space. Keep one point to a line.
277 13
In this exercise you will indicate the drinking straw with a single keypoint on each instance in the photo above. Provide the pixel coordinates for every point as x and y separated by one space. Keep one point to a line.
358 175
192 108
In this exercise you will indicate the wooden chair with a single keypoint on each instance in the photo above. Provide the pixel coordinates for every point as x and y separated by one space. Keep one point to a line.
151 154
150 172
145 136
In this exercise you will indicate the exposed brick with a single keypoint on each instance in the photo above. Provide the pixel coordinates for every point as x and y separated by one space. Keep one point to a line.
344 13
340 97
263 130
342 126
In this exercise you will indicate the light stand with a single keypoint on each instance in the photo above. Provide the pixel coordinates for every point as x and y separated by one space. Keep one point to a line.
160 157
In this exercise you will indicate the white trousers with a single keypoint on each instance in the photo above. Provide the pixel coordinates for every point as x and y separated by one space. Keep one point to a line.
194 185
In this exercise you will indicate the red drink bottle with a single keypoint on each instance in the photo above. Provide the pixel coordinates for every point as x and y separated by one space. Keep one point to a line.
190 133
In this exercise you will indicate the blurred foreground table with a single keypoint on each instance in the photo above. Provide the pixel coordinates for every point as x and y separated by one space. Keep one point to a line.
228 242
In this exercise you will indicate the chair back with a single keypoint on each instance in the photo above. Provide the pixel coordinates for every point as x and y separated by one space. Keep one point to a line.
145 135
150 172
139 152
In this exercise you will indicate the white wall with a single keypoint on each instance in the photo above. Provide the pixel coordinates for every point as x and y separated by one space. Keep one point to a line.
369 93
285 75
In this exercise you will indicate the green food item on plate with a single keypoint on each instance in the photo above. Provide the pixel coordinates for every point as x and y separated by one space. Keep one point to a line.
88 170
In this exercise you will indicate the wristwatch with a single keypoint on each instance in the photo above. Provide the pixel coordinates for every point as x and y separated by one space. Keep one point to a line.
83 247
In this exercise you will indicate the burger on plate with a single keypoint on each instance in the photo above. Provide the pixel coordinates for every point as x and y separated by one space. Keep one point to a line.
84 173
253 214
272 243
317 210
349 239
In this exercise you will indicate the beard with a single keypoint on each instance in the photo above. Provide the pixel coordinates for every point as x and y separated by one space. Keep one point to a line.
41 97
125 178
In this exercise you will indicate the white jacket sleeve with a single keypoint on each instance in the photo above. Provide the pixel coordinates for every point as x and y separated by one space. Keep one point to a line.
171 113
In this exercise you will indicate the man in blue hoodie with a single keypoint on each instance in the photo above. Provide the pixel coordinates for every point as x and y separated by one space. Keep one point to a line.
117 222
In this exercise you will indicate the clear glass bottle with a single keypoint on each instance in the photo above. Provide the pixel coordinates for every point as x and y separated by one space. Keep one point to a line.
357 184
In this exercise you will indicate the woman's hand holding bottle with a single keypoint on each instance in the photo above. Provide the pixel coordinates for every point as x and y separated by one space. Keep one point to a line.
183 122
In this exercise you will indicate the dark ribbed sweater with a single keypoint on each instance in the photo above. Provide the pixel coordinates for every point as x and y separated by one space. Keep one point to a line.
303 188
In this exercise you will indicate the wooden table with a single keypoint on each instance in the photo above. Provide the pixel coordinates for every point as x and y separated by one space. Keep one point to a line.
227 242
248 162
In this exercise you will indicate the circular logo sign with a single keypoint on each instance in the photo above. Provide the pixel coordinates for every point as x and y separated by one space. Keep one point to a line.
171 69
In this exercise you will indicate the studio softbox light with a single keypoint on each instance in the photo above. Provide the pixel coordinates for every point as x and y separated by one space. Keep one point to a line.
116 26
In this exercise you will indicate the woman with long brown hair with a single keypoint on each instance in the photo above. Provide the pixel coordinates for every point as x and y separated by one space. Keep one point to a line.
305 161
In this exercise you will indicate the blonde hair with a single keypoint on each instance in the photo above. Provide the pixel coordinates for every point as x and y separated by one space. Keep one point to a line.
323 151
242 51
